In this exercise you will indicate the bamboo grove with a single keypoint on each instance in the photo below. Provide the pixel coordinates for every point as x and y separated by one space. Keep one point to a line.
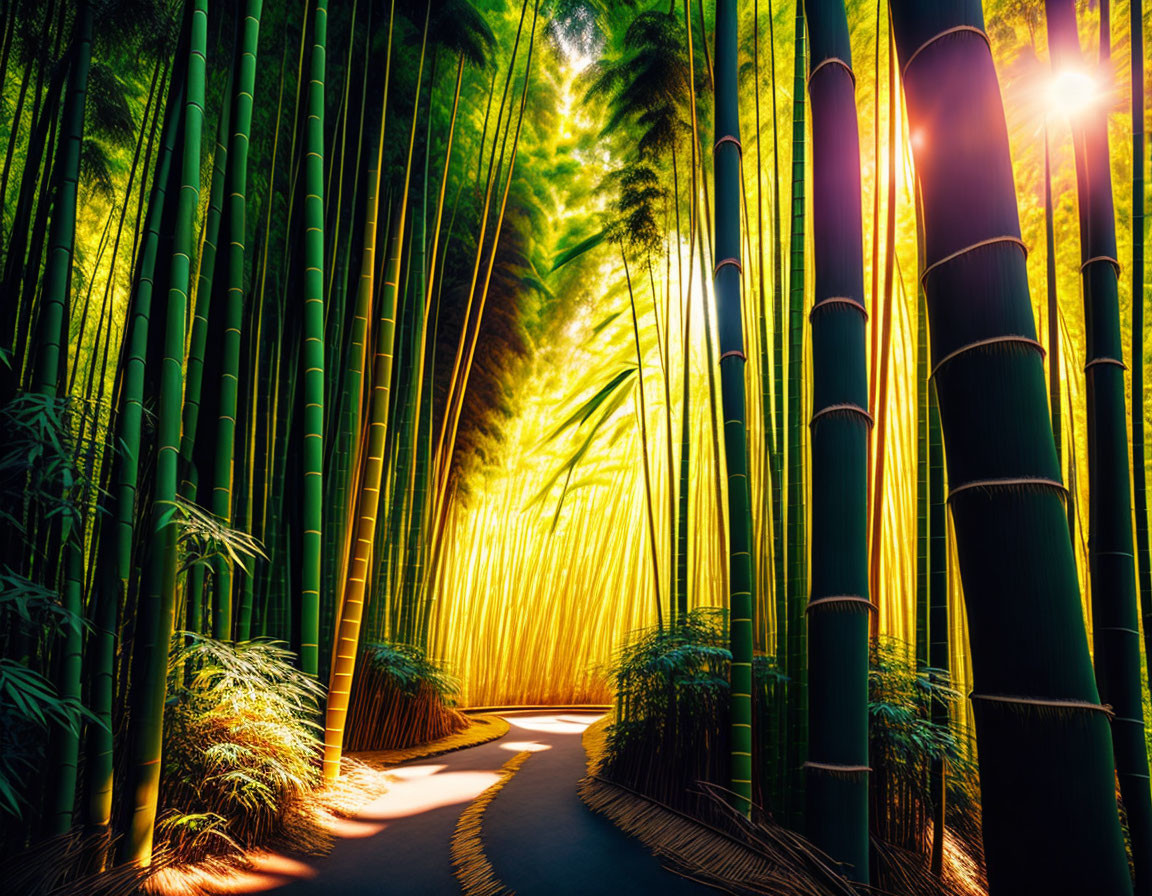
505 330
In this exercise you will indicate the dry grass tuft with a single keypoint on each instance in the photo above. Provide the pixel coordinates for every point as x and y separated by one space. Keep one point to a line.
69 865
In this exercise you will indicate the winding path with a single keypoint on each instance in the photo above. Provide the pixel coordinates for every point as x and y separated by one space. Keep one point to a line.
540 838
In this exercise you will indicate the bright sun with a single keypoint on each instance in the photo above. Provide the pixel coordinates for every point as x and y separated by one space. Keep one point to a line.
1072 92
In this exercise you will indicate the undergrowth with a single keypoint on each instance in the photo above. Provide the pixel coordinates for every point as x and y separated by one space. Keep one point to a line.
400 697
240 746
669 739
671 721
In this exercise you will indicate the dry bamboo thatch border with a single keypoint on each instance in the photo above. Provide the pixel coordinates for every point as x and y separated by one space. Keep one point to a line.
694 850
483 728
766 860
697 851
476 875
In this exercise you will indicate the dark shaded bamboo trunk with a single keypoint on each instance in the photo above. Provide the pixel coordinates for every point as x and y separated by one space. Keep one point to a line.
727 282
1115 629
838 606
1049 812
1139 485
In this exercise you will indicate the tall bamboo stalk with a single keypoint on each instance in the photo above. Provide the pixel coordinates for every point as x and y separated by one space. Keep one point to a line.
50 376
222 468
1139 461
727 285
313 349
1115 628
1048 805
158 590
838 606
351 612
797 554
116 561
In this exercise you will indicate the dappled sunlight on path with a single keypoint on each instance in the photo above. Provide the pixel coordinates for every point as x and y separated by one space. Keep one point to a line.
422 788
537 832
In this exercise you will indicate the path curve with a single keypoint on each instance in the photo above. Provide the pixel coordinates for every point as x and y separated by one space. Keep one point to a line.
540 838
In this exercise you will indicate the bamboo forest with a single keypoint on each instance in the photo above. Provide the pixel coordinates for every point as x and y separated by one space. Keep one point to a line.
553 447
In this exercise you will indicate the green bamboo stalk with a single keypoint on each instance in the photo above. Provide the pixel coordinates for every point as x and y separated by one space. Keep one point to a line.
682 517
643 413
222 468
158 590
51 373
313 350
939 655
1046 776
796 544
198 342
1139 462
117 542
727 284
51 359
780 772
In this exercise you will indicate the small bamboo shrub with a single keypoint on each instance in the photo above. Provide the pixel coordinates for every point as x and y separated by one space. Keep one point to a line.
240 744
671 723
400 698
903 742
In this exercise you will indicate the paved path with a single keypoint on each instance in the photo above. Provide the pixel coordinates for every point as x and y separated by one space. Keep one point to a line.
541 839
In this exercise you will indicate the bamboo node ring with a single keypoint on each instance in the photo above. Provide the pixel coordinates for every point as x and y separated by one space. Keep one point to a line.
1007 483
728 138
1112 362
833 60
991 241
838 300
837 767
1098 258
843 599
735 262
1044 702
734 353
847 408
981 343
954 30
